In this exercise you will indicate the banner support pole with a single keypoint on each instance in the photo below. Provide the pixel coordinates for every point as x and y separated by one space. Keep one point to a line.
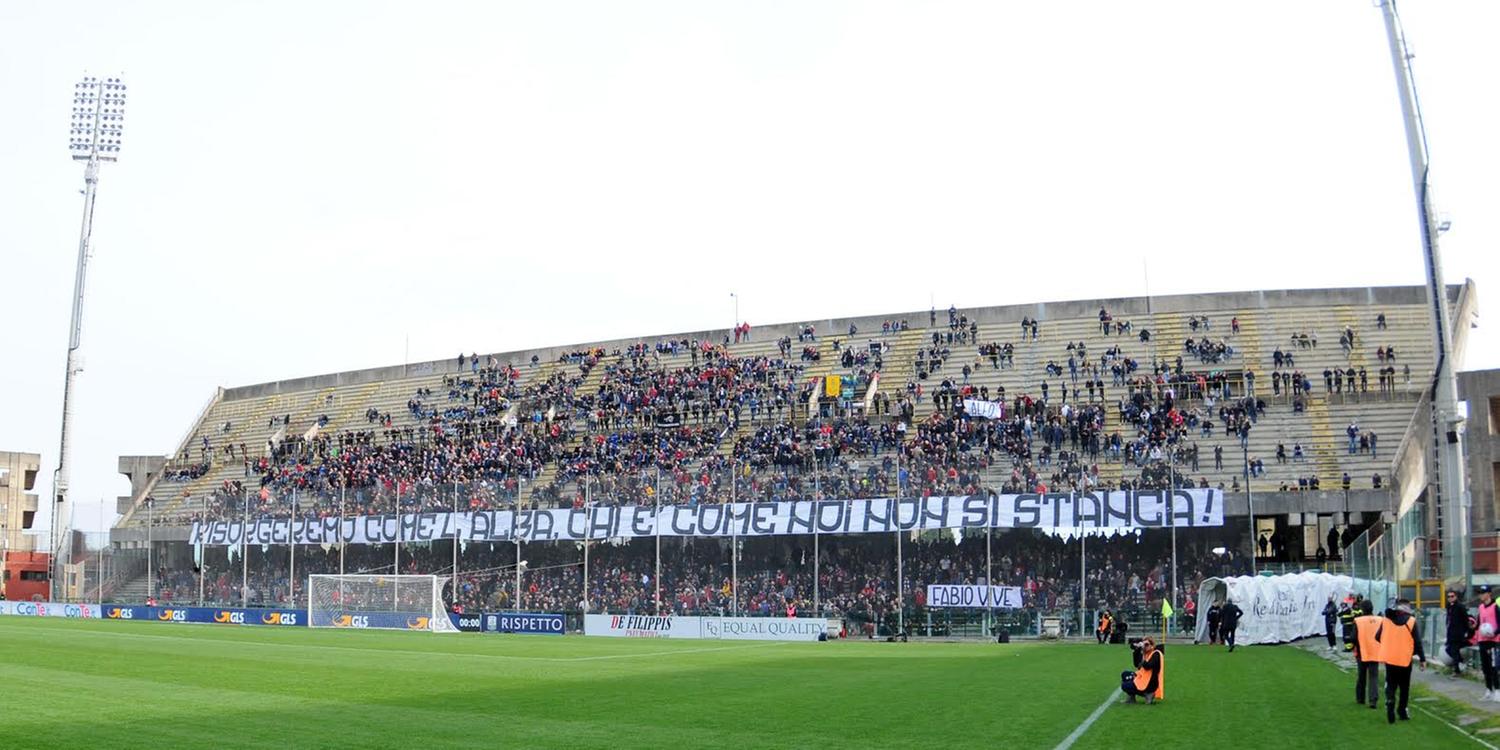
245 555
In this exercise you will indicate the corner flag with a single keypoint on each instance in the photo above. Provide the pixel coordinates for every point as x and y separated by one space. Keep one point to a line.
1166 608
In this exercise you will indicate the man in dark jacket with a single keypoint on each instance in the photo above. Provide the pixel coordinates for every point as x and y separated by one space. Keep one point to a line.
1215 613
1229 621
1458 631
1330 616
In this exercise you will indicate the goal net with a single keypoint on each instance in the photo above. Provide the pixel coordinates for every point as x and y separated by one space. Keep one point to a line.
388 602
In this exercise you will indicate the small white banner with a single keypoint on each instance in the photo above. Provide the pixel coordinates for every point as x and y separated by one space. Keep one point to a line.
977 597
984 409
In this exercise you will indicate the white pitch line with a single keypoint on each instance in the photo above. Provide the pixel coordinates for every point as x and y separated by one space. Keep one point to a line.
1456 728
1068 741
669 653
409 652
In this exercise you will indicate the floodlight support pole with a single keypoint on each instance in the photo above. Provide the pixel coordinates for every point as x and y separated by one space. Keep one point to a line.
1446 415
58 532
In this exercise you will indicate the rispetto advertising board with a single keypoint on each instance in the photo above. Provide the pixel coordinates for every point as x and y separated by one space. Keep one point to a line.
713 628
524 622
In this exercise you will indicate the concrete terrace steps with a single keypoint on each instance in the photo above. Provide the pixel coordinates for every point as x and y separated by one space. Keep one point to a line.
1267 321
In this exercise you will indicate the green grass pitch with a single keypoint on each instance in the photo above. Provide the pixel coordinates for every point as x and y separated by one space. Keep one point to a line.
114 685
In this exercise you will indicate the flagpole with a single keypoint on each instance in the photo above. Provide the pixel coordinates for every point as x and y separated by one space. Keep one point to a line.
245 555
588 505
896 514
291 575
989 573
734 542
1172 518
1083 583
455 542
658 540
342 489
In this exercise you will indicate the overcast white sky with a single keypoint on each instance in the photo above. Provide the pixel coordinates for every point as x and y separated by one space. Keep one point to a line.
306 184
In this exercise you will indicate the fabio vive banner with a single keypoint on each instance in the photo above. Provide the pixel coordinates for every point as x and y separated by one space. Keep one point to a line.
976 597
712 628
1105 509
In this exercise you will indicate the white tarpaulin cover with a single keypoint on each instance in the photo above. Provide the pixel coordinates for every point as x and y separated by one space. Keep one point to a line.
1283 608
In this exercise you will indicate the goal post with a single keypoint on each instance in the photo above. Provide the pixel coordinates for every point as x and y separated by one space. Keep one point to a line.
377 602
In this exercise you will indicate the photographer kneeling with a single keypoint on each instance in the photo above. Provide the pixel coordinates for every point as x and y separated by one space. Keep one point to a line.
1148 678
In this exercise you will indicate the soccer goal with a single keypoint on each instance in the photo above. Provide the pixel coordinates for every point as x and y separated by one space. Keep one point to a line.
388 602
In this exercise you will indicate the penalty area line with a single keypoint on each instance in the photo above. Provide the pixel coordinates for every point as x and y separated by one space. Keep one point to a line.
1068 741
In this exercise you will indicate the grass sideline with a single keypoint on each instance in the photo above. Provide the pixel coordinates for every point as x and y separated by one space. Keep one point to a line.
75 683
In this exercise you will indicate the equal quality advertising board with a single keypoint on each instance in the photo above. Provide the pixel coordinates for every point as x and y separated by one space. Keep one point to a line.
713 628
763 628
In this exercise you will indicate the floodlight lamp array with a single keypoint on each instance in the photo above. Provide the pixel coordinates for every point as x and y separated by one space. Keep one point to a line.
98 119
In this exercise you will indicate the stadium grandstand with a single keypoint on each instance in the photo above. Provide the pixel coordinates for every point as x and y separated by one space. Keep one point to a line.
1300 401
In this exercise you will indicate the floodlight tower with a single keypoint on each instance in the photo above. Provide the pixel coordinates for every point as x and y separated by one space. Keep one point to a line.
1446 411
93 137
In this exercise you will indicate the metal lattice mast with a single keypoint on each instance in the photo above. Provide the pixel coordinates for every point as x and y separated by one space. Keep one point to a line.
94 137
1447 417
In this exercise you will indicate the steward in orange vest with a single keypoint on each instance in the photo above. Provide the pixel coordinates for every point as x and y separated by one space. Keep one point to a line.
1399 641
1149 677
1367 655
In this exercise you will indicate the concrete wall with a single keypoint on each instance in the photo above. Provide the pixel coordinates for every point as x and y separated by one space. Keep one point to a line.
18 504
1482 446
141 471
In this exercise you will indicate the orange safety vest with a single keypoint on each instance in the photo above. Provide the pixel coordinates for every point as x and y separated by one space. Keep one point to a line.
1397 642
1143 675
1365 627
1104 624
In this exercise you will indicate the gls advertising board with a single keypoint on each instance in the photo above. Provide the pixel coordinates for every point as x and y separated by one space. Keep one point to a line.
712 628
208 615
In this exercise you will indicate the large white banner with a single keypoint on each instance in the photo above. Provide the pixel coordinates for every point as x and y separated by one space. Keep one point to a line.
1283 608
713 628
1105 509
50 609
977 597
